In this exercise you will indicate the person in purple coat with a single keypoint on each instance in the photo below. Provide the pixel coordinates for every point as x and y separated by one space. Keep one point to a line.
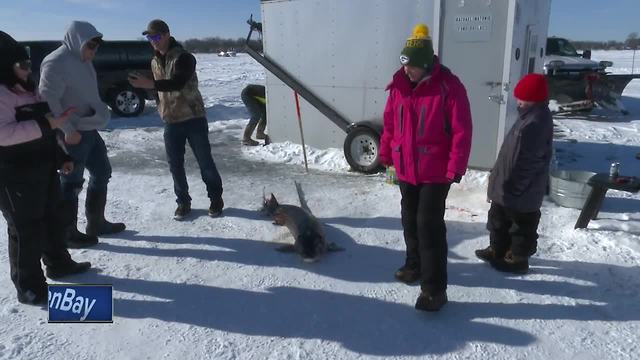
427 137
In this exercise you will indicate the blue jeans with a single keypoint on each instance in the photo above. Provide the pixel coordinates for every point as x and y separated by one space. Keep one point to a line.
196 132
90 154
257 110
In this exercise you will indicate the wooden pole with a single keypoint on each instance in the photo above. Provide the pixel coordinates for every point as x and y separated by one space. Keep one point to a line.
304 149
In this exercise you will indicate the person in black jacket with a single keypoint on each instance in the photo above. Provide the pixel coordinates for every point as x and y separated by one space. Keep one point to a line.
518 180
30 197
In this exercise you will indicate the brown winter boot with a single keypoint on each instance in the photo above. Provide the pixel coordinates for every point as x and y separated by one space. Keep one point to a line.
428 302
408 274
512 264
488 254
246 137
260 135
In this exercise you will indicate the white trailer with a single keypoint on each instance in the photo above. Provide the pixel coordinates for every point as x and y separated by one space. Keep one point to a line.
344 52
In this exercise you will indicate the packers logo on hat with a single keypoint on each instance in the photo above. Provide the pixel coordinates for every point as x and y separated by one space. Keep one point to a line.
418 49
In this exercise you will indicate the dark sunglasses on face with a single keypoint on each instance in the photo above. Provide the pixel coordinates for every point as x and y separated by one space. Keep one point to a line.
23 65
92 45
154 38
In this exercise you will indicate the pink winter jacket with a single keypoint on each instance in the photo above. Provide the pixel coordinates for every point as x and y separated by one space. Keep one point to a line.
13 132
427 130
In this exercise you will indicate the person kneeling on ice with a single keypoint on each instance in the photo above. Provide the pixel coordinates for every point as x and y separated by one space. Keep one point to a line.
518 180
253 97
30 156
427 137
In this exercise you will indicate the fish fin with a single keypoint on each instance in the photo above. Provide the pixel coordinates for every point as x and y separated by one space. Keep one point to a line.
303 201
333 247
288 248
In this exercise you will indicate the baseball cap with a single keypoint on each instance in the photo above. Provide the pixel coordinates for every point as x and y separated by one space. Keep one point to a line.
156 26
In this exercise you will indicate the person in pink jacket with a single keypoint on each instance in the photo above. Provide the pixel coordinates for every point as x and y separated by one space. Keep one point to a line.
427 137
29 186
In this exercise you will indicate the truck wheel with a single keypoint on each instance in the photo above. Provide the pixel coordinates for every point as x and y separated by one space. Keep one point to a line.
361 149
127 102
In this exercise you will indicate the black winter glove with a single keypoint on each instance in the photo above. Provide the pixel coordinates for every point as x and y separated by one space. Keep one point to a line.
456 179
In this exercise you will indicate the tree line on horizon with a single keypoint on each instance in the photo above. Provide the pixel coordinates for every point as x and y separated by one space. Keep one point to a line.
217 44
632 42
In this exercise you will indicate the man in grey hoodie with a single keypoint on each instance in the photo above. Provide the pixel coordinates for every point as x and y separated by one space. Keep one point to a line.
68 79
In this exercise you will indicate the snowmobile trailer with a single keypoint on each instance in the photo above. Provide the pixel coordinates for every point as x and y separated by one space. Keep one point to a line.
339 56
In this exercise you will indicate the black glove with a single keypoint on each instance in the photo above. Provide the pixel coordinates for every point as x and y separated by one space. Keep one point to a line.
456 179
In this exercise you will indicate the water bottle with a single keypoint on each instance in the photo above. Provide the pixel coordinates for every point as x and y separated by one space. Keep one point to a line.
614 170
391 178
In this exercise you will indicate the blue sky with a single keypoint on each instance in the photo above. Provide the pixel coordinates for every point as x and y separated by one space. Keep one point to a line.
125 19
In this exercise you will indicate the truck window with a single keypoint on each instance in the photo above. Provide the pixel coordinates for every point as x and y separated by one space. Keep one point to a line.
561 47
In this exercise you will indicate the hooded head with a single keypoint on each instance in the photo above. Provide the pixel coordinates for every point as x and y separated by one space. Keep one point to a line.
82 39
14 59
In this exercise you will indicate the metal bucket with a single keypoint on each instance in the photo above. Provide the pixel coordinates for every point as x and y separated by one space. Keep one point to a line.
569 188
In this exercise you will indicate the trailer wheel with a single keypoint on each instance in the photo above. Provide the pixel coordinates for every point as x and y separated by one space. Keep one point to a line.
361 149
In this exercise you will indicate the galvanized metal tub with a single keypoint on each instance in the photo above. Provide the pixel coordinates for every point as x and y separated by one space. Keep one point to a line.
569 188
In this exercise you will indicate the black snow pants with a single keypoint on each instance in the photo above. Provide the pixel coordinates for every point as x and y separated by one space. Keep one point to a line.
425 232
30 201
513 230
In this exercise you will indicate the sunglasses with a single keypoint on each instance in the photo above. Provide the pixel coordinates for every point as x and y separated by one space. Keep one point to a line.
23 65
154 38
92 45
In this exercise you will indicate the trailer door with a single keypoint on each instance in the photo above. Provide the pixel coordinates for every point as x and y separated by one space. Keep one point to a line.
473 38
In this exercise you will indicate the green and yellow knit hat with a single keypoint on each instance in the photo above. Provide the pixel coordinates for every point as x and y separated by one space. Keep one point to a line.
418 50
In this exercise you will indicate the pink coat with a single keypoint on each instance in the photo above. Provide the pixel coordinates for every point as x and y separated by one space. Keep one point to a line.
13 132
427 129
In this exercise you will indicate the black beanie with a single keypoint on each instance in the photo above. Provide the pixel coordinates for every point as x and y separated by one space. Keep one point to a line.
12 52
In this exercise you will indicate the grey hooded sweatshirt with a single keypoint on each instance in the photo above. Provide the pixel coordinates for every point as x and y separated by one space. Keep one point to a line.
66 81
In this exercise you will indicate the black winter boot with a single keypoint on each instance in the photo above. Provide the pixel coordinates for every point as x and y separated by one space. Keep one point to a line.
68 268
77 240
94 210
428 302
34 297
215 209
512 264
74 239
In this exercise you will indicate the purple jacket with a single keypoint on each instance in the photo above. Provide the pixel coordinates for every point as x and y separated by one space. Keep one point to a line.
427 129
13 132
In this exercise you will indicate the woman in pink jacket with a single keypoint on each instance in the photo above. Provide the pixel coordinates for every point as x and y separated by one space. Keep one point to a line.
427 137
29 183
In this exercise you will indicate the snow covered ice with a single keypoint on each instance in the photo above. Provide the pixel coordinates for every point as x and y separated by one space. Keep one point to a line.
217 289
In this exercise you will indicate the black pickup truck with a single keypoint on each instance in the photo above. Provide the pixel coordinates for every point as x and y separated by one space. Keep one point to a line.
113 61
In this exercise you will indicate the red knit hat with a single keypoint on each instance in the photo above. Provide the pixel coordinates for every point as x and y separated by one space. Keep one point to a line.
532 87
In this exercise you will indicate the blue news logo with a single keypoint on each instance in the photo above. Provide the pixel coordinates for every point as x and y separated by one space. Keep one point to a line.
80 303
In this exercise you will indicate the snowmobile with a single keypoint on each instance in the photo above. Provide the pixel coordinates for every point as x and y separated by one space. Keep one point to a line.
577 83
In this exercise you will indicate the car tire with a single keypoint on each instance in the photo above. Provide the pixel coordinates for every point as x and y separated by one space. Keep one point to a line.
126 101
362 150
